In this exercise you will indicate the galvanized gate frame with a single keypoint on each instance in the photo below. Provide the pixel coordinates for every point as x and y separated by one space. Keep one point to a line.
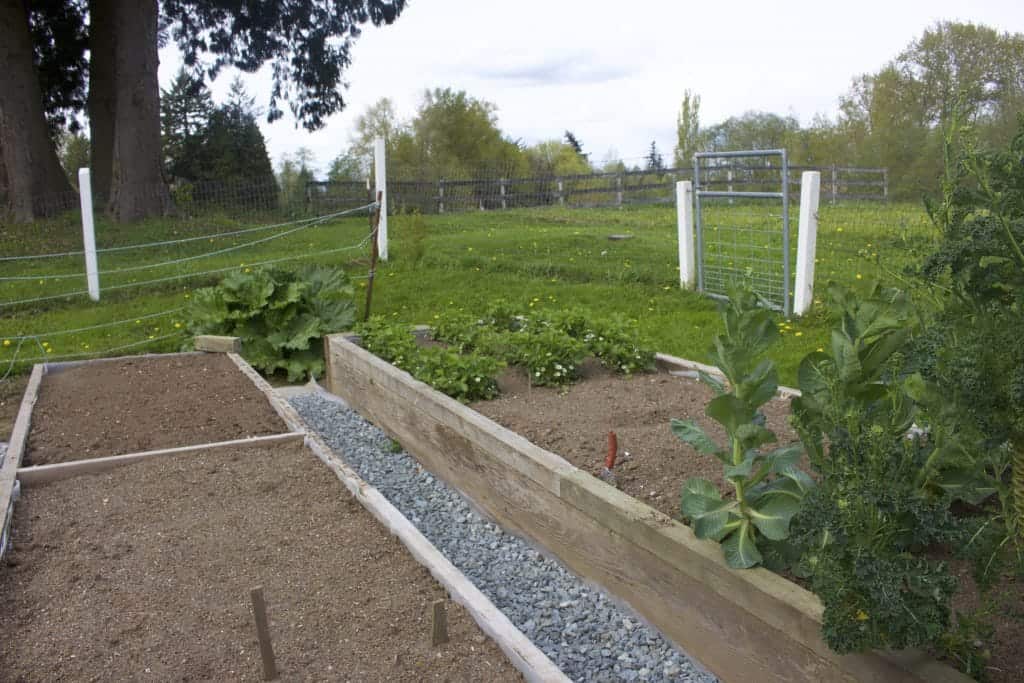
698 193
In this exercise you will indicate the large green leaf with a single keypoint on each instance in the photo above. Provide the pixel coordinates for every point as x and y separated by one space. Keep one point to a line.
730 412
250 291
845 356
689 432
701 503
208 308
716 384
882 349
296 334
773 515
752 435
740 549
785 458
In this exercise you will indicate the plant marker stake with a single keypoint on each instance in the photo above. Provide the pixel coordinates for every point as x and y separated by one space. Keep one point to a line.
613 450
373 258
259 611
439 624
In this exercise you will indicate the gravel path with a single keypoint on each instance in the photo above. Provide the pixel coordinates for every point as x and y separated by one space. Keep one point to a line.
582 630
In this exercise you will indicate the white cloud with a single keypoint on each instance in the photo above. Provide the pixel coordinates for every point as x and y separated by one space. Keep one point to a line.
614 72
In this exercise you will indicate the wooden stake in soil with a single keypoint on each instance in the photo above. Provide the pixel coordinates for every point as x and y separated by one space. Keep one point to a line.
374 253
259 611
439 623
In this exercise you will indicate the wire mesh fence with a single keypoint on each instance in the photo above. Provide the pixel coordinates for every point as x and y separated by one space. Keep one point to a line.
489 190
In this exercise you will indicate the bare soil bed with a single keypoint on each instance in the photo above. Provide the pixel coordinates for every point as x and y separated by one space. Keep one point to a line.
574 423
146 403
145 572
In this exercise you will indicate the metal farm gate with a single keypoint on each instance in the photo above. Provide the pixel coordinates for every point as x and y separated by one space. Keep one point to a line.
742 224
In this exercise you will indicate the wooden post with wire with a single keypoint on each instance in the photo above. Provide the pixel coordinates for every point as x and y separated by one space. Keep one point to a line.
374 254
259 611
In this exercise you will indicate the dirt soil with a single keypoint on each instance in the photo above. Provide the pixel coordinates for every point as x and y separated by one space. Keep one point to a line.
143 404
144 572
574 423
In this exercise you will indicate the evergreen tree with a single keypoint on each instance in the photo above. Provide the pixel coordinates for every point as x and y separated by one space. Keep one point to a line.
234 154
576 145
655 162
185 111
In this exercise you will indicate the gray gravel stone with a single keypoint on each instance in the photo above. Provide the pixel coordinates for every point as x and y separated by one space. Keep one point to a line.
576 625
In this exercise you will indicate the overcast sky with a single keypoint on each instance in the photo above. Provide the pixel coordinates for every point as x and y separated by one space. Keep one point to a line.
613 72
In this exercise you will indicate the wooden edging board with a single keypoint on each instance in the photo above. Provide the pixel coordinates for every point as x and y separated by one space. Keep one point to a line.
743 625
19 438
44 474
521 651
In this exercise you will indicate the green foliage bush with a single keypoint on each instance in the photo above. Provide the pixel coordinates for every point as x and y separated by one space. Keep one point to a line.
280 315
884 497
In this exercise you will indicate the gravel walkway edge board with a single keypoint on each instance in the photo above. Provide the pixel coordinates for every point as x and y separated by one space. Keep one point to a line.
582 629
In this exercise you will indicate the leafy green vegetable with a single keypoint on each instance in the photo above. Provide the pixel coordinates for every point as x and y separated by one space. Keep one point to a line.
769 486
278 314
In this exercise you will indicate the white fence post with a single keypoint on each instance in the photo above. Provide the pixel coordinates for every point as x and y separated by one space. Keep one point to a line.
807 239
684 218
92 275
380 171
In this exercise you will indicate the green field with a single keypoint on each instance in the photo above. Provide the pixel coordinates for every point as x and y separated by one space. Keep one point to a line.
538 258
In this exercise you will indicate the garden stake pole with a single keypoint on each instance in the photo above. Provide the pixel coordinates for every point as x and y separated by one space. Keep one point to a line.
439 624
373 258
259 611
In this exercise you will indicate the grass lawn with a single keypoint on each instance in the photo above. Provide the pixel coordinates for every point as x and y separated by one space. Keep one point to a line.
538 258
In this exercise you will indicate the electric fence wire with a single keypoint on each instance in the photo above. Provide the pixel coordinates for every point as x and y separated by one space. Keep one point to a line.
100 326
86 354
182 276
232 233
147 266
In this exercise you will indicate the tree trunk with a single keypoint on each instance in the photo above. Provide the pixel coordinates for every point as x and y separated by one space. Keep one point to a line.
36 183
102 94
138 189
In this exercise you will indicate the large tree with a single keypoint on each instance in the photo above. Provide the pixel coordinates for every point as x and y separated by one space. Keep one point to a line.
307 43
899 112
33 180
690 139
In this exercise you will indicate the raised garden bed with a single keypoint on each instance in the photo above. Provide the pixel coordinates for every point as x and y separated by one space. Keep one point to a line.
743 625
146 571
143 403
653 464
125 571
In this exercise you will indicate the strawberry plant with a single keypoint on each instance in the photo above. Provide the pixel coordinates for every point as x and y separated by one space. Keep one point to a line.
280 315
463 376
768 485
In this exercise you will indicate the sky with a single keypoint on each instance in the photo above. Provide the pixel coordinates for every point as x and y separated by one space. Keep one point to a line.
614 72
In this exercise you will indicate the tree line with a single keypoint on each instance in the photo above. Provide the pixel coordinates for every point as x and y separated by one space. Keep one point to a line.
893 118
97 58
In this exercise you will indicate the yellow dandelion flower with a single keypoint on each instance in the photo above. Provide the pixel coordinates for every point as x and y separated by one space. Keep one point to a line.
859 276
7 342
862 615
799 334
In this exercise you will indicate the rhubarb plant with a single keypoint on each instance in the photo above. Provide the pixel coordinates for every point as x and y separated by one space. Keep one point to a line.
768 485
